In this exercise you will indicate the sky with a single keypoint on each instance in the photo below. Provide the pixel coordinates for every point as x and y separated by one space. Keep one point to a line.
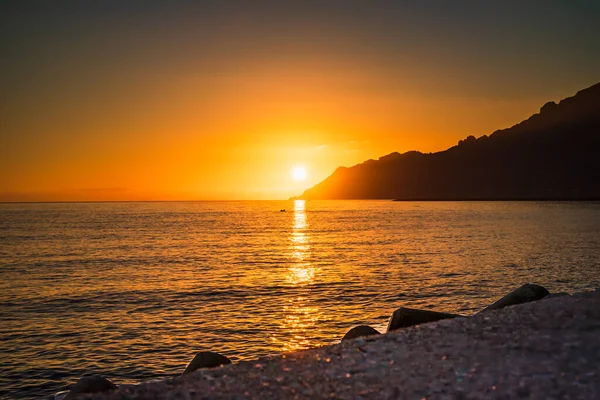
209 100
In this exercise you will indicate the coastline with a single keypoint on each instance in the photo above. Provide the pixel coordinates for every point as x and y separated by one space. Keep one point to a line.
546 348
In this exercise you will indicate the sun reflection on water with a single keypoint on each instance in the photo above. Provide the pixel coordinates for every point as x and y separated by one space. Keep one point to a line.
300 316
300 271
299 319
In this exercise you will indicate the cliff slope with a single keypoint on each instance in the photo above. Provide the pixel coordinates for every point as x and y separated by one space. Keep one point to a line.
554 155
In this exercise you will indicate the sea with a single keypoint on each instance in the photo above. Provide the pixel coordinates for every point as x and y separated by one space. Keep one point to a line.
132 291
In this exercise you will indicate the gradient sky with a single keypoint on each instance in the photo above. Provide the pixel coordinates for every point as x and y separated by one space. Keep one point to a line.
146 100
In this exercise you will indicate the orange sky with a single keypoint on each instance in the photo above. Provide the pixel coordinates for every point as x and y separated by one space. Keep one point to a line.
185 111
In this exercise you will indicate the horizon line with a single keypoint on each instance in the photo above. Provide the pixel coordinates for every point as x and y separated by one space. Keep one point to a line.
256 200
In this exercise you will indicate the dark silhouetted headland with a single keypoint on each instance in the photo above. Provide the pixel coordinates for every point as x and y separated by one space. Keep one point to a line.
553 155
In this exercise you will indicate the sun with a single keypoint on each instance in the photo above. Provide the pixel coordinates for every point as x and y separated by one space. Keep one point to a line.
298 173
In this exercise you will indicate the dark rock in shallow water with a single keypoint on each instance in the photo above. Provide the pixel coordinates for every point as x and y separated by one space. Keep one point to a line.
206 359
526 293
360 331
405 317
90 384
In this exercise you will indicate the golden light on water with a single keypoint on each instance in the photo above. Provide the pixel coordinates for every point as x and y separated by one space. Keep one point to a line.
300 271
300 317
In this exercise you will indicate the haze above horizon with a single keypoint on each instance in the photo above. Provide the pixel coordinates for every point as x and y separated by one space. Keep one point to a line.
209 100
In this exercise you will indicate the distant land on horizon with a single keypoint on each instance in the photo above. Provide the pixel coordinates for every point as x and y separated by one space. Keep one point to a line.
553 155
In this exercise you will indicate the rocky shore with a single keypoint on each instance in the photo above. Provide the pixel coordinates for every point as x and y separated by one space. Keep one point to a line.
516 347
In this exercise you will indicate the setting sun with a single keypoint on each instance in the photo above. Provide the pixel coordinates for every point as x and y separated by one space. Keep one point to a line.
298 173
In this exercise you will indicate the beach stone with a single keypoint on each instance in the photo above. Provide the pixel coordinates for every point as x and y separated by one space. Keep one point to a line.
585 294
360 331
90 384
524 294
206 359
555 295
405 317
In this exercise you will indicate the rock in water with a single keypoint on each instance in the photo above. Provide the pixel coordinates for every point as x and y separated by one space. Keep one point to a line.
360 331
90 384
405 317
526 293
206 359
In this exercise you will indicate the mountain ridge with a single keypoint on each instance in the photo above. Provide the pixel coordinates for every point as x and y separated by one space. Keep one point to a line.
553 154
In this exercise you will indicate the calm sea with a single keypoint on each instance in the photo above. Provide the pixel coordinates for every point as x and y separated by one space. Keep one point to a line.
134 290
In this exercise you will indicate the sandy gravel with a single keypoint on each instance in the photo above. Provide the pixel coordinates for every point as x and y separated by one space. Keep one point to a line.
542 350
